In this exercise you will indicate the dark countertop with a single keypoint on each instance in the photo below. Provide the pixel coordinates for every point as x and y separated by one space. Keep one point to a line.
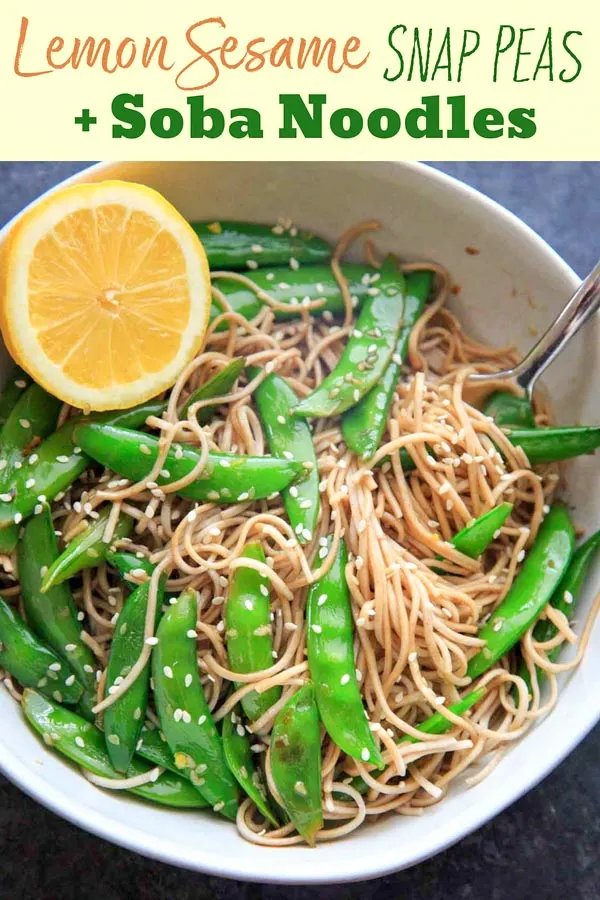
545 846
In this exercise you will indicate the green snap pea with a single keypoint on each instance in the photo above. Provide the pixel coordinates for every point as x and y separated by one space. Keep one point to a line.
226 478
542 445
474 538
330 648
52 614
18 380
564 599
243 245
294 288
289 435
32 418
219 384
238 754
123 720
56 463
32 663
126 563
296 762
531 590
248 629
83 744
509 409
367 352
363 424
87 549
183 712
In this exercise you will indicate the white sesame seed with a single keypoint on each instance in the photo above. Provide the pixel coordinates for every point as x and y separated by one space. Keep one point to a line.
167 671
306 534
201 720
412 657
294 264
79 741
568 597
186 716
177 715
444 488
546 509
345 679
248 604
24 423
264 590
225 463
114 739
251 264
317 629
521 556
17 518
365 754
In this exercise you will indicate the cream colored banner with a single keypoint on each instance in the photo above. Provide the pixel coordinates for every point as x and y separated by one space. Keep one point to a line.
225 79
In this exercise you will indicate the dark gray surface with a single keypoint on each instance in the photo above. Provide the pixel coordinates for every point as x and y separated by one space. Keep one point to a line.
545 846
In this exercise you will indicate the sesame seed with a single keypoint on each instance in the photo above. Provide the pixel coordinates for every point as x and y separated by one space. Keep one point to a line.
225 463
294 264
356 395
191 634
300 789
412 657
201 720
186 716
168 671
345 679
306 534
17 518
568 597
177 715
365 754
79 741
70 680
70 647
187 680
317 629
114 739
322 599
521 556
57 696
281 420
24 423
251 264
444 488
264 590
497 626
287 454
137 713
256 248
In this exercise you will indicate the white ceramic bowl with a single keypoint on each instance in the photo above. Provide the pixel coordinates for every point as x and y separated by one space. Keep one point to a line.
514 285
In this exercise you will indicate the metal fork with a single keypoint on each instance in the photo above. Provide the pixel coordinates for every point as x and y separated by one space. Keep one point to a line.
581 307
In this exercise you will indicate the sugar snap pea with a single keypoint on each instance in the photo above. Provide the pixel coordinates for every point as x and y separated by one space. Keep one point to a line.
126 563
367 352
242 245
248 629
123 720
238 754
294 288
542 445
226 478
32 418
87 549
474 538
15 384
564 598
183 712
531 590
509 409
363 424
32 663
52 614
83 744
330 647
290 435
219 384
295 757
57 463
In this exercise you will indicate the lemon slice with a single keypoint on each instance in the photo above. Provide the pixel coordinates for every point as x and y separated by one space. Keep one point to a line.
106 294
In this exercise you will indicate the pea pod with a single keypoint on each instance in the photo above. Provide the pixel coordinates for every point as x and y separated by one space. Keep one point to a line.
123 720
125 563
563 599
18 380
330 648
56 463
238 754
230 245
435 724
83 744
474 538
368 351
32 663
363 424
52 614
226 478
509 409
219 384
293 287
184 716
288 435
87 549
296 762
248 629
531 590
32 418
542 445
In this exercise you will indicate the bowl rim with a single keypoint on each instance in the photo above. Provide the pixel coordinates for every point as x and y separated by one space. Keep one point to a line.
348 870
